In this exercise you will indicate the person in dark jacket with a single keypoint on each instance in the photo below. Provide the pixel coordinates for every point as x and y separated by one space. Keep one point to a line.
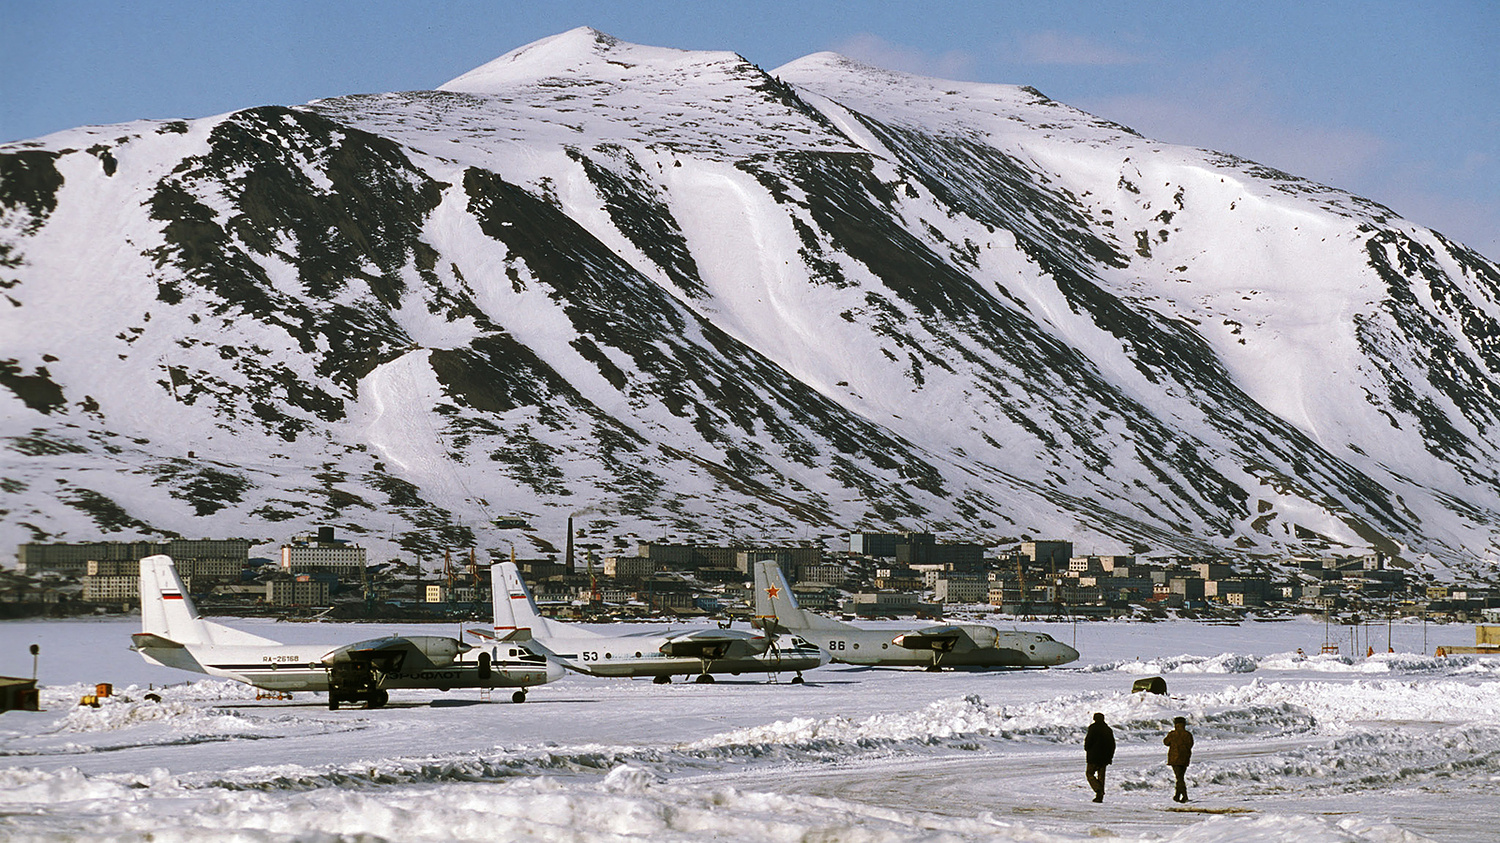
1179 743
1099 752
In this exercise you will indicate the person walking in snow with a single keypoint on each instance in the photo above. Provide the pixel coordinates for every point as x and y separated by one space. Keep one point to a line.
1099 753
1179 743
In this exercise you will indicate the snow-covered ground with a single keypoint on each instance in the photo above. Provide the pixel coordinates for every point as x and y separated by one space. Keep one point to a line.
1394 747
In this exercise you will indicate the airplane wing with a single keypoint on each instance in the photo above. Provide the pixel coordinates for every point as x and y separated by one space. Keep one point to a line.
714 644
389 654
944 639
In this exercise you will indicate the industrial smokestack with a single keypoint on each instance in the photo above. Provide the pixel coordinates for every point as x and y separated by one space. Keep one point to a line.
570 543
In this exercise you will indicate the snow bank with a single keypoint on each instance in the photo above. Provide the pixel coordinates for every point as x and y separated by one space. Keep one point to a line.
179 715
628 804
1380 663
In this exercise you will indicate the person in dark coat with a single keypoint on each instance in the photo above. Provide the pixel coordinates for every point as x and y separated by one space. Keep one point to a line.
1099 752
1179 743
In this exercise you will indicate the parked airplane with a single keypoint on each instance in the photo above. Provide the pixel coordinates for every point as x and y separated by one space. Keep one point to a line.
932 647
660 655
173 635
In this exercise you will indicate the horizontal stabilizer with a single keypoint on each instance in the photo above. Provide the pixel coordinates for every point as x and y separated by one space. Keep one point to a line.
149 640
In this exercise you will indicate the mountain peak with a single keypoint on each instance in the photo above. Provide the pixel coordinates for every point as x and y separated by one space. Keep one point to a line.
580 52
694 298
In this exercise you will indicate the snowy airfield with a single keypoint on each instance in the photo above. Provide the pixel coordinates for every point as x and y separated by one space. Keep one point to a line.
1397 747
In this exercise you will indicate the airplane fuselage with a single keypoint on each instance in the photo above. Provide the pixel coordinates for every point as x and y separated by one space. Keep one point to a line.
871 647
632 655
299 667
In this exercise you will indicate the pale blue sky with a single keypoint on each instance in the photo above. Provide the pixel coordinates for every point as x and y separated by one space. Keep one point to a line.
1396 101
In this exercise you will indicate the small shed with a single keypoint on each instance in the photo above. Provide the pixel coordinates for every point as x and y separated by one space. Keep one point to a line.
1149 685
17 694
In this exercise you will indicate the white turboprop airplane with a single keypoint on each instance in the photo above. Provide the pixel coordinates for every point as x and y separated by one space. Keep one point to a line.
703 651
932 647
173 635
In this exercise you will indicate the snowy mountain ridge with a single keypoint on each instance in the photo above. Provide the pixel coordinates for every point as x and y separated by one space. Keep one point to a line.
687 297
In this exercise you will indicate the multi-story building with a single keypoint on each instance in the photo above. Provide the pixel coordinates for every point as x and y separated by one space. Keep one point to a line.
72 558
115 568
537 570
1125 588
1048 555
112 589
791 560
714 556
216 559
922 549
879 545
882 603
296 591
668 600
111 570
952 589
1213 570
690 557
1188 588
898 579
629 567
1081 565
1221 590
679 557
323 554
826 573
1002 593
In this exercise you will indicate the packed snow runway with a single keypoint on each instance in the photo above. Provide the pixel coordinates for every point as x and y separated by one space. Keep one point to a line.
1394 747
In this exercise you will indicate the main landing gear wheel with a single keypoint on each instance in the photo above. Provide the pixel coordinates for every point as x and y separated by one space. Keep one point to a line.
662 680
798 680
377 698
705 679
519 696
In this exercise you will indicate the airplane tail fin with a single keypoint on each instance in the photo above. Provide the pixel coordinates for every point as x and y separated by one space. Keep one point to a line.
167 612
166 609
514 608
774 600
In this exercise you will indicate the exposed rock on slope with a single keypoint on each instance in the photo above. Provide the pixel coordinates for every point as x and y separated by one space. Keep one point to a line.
692 297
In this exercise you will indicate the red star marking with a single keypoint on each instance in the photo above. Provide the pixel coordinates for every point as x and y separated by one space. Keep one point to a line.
773 592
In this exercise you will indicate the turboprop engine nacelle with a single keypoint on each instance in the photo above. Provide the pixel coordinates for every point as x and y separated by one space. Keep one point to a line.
390 653
439 650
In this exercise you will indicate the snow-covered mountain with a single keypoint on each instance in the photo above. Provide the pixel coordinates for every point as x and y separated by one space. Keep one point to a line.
684 296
